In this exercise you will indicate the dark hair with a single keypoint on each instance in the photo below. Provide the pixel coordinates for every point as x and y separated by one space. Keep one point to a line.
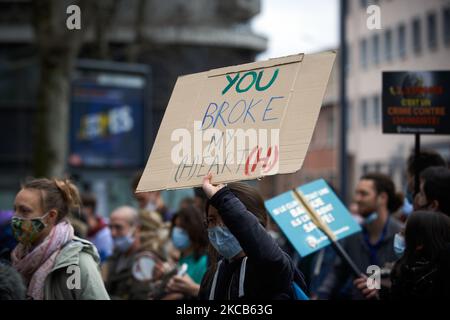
89 200
383 183
436 186
251 199
61 195
427 158
191 220
429 229
12 286
188 201
198 192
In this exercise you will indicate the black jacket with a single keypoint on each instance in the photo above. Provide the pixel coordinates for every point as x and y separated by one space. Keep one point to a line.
422 279
358 250
269 270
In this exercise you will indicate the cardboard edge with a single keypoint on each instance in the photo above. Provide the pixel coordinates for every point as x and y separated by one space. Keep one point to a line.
257 65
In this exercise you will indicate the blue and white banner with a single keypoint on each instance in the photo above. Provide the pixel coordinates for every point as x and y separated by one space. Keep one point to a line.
296 224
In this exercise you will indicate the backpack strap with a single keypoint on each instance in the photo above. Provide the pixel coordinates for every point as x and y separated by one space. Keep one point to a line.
242 277
298 292
214 283
299 286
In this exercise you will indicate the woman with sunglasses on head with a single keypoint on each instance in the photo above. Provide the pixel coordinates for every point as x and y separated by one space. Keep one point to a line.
53 262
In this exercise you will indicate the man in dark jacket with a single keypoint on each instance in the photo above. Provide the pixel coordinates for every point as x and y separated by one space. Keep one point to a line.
376 199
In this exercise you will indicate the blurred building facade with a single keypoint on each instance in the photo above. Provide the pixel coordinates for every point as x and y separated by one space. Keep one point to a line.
172 38
414 35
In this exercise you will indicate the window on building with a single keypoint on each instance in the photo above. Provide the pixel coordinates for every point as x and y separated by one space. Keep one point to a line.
376 49
365 168
377 167
348 58
446 26
388 45
363 3
432 30
363 53
416 36
364 113
402 41
376 108
330 130
349 114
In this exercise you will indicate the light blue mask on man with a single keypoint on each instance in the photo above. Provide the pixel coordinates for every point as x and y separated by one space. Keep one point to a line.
399 245
223 240
370 218
123 243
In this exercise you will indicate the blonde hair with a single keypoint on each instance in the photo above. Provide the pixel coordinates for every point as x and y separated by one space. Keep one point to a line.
154 233
59 194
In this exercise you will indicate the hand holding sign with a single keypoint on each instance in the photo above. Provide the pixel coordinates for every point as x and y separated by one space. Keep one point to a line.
210 189
361 284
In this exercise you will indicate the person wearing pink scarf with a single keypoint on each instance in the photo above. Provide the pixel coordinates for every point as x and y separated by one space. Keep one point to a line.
53 262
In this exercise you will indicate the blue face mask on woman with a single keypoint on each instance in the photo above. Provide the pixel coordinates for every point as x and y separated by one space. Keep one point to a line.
180 238
224 242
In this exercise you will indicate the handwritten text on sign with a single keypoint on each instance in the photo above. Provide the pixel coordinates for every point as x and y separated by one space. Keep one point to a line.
219 142
240 122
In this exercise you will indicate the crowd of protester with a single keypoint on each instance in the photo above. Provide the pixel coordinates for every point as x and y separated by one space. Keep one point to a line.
221 244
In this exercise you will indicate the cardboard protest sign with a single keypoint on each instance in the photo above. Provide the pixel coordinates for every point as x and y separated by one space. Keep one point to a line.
240 122
416 102
297 225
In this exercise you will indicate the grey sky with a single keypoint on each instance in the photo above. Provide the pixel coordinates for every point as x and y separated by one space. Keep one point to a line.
294 26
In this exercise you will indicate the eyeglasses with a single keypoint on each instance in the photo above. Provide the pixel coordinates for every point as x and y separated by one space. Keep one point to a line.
210 222
118 227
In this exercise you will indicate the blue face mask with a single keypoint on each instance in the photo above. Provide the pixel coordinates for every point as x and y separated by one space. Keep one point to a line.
370 218
410 197
399 245
223 240
123 243
180 238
